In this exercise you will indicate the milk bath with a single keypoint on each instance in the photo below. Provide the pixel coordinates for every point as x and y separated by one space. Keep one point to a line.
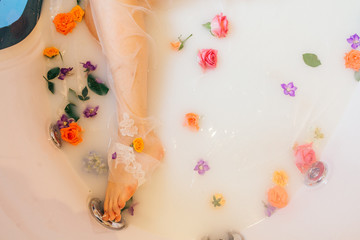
248 126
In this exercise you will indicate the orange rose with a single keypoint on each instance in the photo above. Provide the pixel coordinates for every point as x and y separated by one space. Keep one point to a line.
71 134
78 13
138 144
175 45
64 23
192 121
51 52
352 60
278 197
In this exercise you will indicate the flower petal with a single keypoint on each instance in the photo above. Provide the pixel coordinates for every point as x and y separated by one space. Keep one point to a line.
356 37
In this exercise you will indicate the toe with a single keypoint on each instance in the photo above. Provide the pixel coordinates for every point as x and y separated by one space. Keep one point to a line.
105 217
116 209
106 205
112 215
118 218
107 199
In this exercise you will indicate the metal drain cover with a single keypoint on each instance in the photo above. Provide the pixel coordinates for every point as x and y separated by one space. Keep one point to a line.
96 210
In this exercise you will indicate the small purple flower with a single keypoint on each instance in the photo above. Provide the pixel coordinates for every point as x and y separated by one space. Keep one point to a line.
90 111
354 40
201 167
131 209
64 121
89 67
64 72
269 210
114 156
289 89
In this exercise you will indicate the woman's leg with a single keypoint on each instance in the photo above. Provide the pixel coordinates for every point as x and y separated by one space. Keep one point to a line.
120 26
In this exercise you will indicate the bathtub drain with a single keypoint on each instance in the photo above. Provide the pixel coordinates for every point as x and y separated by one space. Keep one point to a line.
96 210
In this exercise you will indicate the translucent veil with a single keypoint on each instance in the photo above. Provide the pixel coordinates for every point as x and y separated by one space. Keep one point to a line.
124 43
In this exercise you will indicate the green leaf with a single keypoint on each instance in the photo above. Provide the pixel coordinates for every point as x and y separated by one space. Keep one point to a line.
61 57
71 111
98 88
83 98
357 76
183 41
51 87
128 204
53 73
311 60
207 25
78 2
85 92
72 91
72 96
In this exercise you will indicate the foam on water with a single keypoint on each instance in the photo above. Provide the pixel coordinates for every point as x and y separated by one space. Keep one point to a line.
248 126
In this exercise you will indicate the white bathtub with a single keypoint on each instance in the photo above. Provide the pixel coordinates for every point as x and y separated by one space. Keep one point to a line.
42 197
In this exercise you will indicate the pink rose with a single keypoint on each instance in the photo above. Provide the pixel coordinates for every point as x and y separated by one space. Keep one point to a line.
305 157
207 58
219 26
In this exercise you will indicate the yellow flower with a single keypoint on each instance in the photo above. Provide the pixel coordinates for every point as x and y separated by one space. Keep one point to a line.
51 52
218 200
318 134
138 144
78 13
280 178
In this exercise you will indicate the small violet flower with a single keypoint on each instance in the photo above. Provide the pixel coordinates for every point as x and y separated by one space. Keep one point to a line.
114 156
89 67
269 210
201 167
289 89
90 111
64 72
354 40
131 209
64 122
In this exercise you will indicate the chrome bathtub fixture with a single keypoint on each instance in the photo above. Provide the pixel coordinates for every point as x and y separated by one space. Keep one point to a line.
228 236
55 135
316 174
234 236
96 210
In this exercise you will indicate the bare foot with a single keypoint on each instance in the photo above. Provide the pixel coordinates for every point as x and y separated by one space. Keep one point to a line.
119 192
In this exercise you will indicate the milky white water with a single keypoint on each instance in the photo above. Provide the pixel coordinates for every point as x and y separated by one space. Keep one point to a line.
248 126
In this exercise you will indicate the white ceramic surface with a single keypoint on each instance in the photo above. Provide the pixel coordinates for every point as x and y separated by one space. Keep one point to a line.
42 197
